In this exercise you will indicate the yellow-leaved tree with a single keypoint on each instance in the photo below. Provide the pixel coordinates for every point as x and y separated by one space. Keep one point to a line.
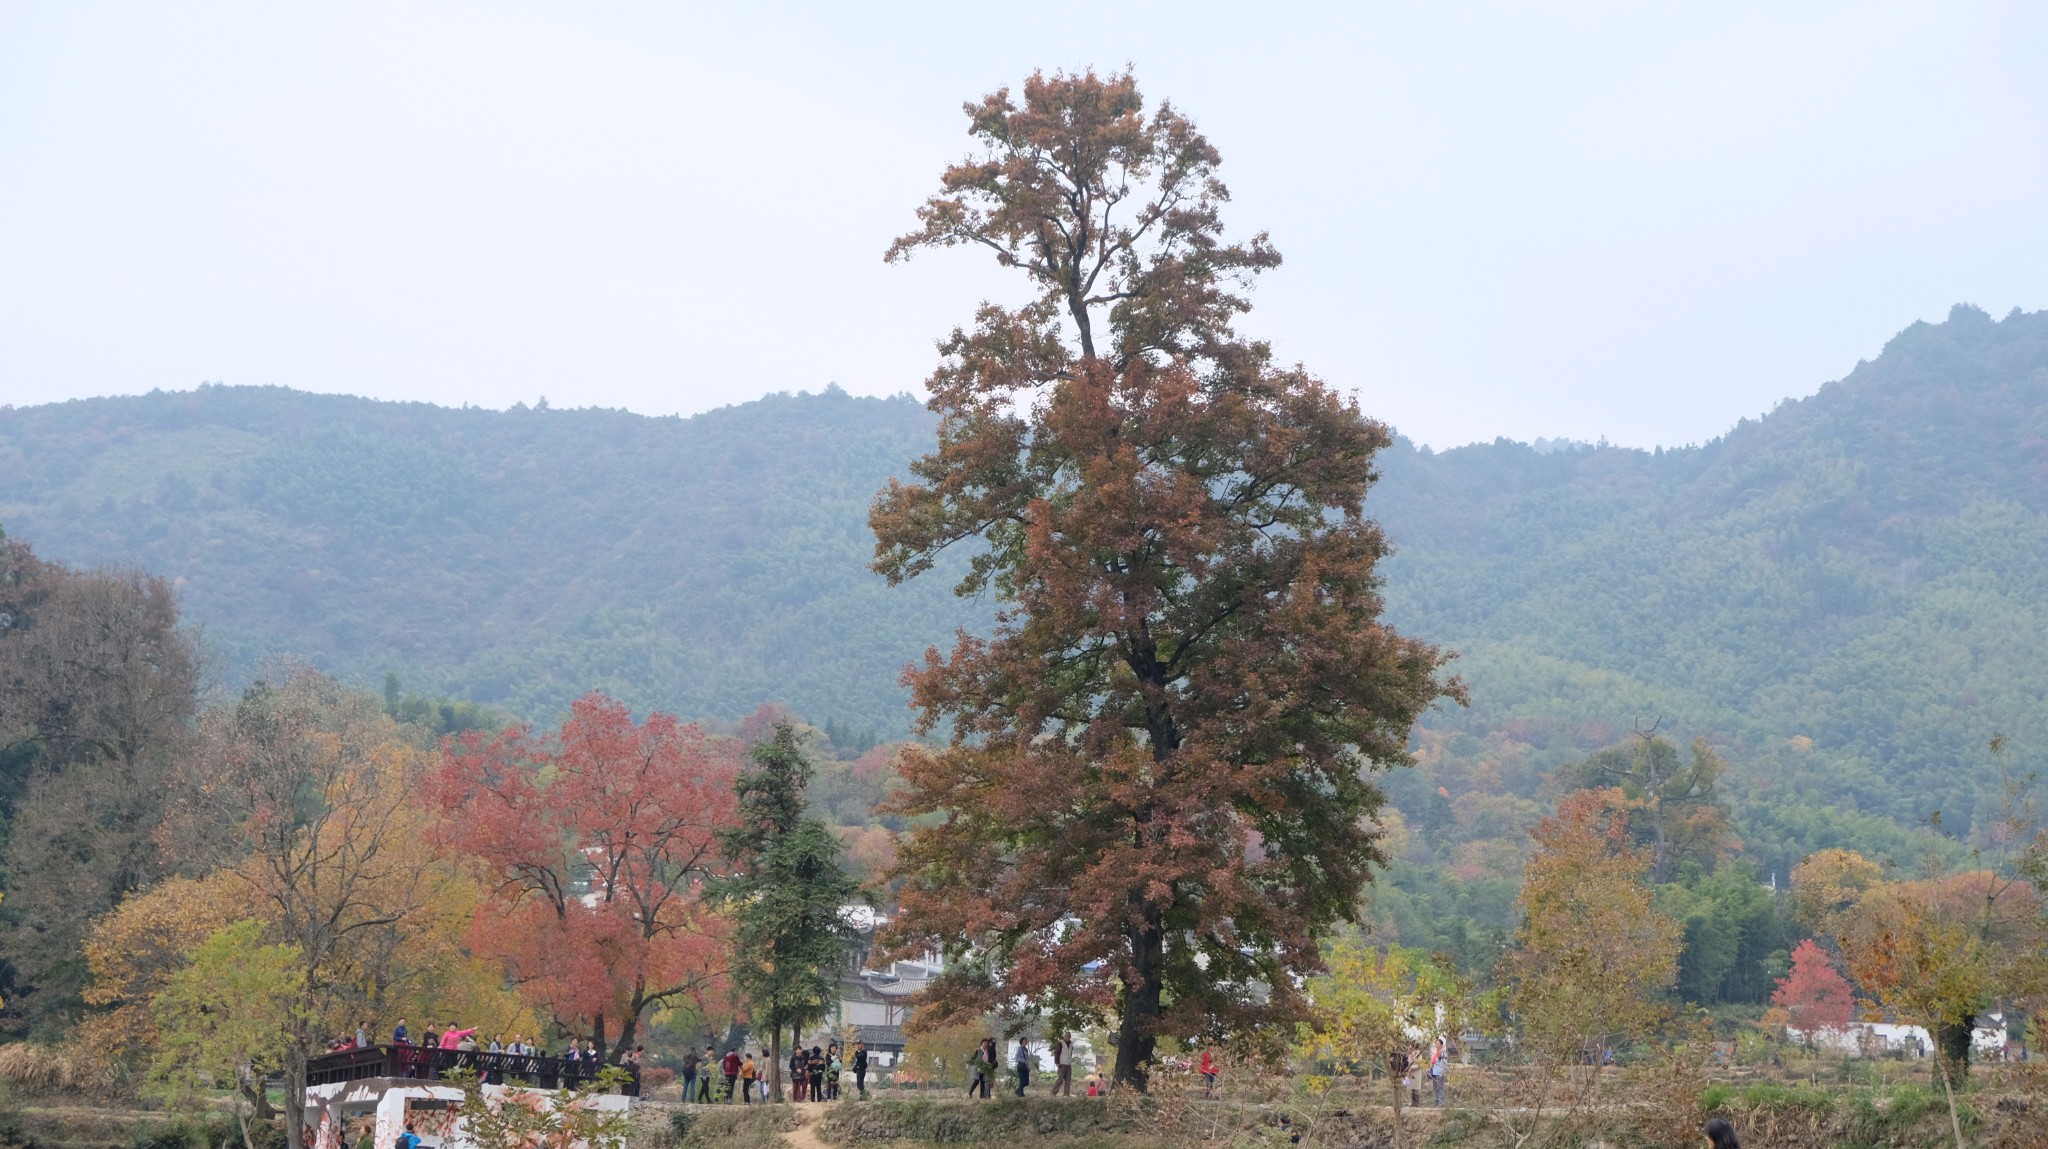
227 1017
1593 955
302 806
1378 1005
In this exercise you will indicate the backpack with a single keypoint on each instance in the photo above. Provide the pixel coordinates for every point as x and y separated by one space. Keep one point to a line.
408 1140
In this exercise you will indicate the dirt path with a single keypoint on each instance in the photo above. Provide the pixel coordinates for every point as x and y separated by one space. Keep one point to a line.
802 1137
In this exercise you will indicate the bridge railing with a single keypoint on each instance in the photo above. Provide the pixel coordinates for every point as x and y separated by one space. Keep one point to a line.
428 1064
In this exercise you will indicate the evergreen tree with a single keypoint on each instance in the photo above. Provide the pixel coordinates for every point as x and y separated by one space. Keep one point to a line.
786 895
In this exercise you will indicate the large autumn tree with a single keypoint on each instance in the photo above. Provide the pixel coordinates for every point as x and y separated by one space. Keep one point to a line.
1155 793
598 839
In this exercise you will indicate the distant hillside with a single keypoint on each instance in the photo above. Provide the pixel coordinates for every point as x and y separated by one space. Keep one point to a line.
1848 593
519 557
1853 590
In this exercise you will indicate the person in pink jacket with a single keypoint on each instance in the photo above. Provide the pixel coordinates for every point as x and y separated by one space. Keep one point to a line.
453 1036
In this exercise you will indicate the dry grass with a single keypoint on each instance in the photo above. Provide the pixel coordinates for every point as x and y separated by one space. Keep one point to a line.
40 1069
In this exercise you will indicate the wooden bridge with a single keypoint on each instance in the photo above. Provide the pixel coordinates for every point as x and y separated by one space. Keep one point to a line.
426 1064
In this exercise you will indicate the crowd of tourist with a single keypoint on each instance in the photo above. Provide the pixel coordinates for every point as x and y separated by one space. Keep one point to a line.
815 1074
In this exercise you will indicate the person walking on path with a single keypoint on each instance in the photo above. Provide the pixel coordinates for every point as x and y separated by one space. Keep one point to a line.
1439 1070
1207 1069
729 1067
860 1070
690 1076
1023 1063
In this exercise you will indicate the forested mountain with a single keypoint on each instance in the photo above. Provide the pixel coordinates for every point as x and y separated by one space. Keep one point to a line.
1846 594
518 557
1851 591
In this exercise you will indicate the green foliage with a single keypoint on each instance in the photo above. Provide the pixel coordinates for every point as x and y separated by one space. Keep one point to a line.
515 559
203 1131
225 1021
786 900
1847 591
1737 936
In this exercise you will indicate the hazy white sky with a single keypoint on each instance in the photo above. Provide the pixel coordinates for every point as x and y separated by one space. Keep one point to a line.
1634 220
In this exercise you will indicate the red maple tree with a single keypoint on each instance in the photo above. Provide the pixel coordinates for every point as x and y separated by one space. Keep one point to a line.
1814 994
599 837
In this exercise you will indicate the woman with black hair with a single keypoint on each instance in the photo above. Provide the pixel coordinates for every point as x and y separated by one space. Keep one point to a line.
1721 1135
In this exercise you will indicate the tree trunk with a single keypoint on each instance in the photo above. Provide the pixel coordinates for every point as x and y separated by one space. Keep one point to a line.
1954 1039
1140 1005
627 1029
1948 1090
775 1062
1396 1079
294 1100
259 1101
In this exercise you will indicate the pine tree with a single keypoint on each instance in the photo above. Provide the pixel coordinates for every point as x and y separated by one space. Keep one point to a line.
787 896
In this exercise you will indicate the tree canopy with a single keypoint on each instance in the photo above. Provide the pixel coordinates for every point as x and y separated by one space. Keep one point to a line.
1155 792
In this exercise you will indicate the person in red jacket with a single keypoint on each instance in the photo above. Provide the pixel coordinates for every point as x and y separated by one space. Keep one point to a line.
453 1037
730 1066
1208 1071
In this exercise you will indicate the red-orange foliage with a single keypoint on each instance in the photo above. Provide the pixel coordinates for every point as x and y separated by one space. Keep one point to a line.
1155 794
599 838
1813 994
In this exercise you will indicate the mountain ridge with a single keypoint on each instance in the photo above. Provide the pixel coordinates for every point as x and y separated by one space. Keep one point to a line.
1843 591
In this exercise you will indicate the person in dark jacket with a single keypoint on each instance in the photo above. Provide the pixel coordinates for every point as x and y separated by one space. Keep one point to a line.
860 1069
690 1064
